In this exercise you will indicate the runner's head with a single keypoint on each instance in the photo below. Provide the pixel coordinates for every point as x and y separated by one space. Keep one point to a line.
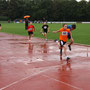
44 23
30 23
73 26
64 26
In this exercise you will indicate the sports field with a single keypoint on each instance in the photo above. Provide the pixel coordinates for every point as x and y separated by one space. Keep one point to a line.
81 34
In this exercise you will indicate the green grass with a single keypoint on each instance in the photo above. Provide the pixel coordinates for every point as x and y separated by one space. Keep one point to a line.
81 34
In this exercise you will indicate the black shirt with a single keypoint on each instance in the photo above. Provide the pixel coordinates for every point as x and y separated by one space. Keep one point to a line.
45 27
26 22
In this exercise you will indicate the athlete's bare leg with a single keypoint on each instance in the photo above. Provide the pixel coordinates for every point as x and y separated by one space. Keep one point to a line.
65 50
32 35
0 28
29 37
71 42
45 35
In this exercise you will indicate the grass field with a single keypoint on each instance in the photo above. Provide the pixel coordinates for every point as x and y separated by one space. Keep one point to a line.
81 34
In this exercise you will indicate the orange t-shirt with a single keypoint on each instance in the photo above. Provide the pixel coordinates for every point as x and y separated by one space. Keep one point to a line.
64 34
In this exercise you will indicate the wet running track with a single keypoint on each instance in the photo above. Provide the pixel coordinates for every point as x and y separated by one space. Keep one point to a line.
37 65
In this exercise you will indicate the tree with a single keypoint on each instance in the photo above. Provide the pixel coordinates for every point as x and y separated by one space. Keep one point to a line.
53 10
15 9
81 10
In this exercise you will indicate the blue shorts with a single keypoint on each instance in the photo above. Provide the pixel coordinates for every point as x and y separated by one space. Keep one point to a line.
69 37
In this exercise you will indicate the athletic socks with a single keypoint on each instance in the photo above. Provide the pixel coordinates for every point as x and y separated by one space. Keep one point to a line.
60 51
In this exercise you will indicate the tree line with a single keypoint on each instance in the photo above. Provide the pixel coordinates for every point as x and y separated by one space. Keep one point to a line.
51 10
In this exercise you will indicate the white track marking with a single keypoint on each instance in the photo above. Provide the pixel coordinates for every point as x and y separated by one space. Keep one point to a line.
18 81
63 82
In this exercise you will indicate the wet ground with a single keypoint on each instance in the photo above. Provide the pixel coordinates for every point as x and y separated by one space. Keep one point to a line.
37 65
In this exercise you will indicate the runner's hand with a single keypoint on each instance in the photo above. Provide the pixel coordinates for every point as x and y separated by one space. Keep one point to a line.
72 39
54 31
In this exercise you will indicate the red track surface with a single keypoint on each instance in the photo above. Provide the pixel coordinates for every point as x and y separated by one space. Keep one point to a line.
37 65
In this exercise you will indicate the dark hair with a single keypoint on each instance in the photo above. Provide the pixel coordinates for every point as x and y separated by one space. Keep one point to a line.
64 24
0 24
73 26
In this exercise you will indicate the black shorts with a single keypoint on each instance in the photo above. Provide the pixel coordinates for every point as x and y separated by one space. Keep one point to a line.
62 43
29 33
44 31
69 37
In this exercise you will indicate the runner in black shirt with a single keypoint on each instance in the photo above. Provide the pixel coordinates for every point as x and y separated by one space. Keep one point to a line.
45 29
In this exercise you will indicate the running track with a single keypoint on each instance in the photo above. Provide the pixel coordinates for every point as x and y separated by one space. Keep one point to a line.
37 65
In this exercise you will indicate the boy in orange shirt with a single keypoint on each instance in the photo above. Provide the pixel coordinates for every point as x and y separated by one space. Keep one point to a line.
63 39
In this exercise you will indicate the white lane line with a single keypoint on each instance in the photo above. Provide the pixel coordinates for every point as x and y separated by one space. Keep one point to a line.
18 81
63 82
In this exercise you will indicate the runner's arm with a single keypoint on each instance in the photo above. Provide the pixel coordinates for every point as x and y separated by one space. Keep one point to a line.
71 36
0 28
34 28
56 31
41 30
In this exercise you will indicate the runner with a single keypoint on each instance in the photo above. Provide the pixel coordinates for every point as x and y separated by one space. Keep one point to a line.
63 39
45 29
30 30
71 27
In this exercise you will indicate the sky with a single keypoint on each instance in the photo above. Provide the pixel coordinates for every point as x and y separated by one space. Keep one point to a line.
80 0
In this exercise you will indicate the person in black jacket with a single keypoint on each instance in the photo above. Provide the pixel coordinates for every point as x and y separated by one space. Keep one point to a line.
26 23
